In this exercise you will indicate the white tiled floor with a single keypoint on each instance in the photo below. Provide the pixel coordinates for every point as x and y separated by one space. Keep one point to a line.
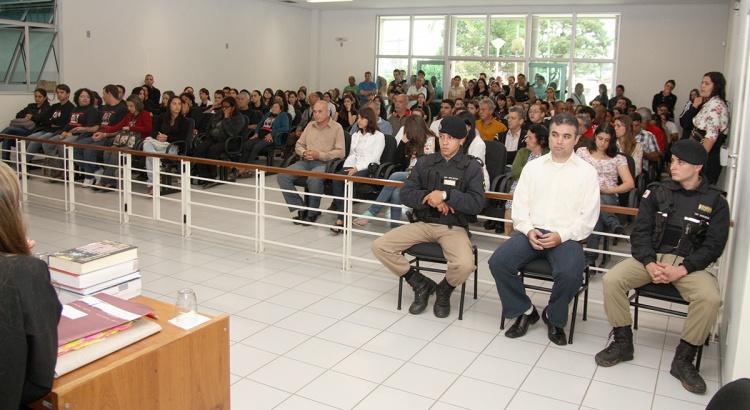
306 335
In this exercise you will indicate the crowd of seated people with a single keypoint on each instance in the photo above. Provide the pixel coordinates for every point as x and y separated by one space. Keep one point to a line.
489 101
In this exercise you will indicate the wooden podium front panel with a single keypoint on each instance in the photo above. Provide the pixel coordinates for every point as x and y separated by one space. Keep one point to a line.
172 369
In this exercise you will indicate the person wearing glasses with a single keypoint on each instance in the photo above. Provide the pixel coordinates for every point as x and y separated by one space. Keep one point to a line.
681 228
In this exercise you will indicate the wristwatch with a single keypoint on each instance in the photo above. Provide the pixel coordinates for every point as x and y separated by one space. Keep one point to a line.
445 195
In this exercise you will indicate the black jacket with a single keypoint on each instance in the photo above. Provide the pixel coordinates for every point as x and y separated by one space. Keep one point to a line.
29 314
469 202
686 203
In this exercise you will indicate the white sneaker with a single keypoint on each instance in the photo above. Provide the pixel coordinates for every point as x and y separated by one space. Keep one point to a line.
88 182
98 175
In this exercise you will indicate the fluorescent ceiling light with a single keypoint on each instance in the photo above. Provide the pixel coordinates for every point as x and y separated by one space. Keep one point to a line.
326 1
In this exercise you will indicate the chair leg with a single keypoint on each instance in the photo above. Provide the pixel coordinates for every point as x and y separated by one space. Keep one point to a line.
586 296
400 291
476 271
573 319
635 311
502 321
698 359
461 305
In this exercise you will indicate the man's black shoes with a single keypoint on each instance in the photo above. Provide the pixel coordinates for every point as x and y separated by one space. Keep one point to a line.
620 350
423 288
303 218
555 334
522 324
442 306
683 368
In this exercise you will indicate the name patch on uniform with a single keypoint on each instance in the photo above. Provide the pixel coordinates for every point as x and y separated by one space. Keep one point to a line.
449 181
705 208
646 193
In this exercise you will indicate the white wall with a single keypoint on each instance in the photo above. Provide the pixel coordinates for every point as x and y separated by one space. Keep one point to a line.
657 43
735 326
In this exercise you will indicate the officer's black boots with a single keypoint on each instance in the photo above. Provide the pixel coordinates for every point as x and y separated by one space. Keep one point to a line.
423 287
620 350
442 306
683 369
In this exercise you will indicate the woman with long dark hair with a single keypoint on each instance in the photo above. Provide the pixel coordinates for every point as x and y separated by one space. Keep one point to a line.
709 116
602 154
166 129
347 112
366 148
267 99
30 310
223 125
626 141
602 97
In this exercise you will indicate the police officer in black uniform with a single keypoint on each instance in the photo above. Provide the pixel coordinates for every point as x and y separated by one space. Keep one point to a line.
681 228
445 190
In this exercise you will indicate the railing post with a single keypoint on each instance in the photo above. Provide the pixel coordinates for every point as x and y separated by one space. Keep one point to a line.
21 168
185 182
156 187
260 211
125 180
69 164
348 206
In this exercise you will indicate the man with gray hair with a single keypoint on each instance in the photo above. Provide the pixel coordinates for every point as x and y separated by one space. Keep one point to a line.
487 126
400 112
646 115
515 137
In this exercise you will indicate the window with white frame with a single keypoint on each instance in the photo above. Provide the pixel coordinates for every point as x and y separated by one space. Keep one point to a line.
552 50
28 44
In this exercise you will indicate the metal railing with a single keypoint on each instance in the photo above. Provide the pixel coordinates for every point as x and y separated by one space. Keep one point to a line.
184 205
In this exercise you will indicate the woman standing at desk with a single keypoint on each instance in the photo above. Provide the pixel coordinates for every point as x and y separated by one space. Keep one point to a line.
29 309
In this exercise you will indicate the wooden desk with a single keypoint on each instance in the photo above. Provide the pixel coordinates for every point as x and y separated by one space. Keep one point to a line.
172 369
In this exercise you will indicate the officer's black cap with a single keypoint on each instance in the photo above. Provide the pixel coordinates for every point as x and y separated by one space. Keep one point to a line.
690 151
453 126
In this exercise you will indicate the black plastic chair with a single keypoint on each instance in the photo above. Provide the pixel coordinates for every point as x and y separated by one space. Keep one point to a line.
433 252
382 170
665 292
541 269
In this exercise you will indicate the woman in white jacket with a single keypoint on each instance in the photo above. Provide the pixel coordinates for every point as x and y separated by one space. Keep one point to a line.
366 148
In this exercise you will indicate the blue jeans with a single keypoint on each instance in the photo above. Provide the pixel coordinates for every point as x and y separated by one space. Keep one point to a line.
567 264
34 147
390 194
9 143
338 189
606 220
88 154
314 185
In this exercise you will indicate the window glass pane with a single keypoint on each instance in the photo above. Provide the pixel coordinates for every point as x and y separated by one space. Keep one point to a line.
470 35
429 35
508 36
596 36
38 11
39 46
9 39
433 72
394 36
387 65
551 36
591 75
543 75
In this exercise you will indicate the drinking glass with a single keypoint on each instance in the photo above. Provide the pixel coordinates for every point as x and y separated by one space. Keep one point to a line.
187 306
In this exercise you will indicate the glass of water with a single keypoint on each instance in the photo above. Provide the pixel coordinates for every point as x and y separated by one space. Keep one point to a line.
187 306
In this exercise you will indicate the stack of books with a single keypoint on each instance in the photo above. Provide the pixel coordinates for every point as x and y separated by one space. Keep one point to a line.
101 267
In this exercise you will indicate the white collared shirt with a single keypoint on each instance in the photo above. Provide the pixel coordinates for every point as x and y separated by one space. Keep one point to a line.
512 140
558 197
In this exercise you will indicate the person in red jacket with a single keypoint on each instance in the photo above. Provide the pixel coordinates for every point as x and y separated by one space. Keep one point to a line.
137 120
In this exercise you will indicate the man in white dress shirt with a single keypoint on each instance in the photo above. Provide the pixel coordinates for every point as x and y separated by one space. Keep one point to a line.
555 206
